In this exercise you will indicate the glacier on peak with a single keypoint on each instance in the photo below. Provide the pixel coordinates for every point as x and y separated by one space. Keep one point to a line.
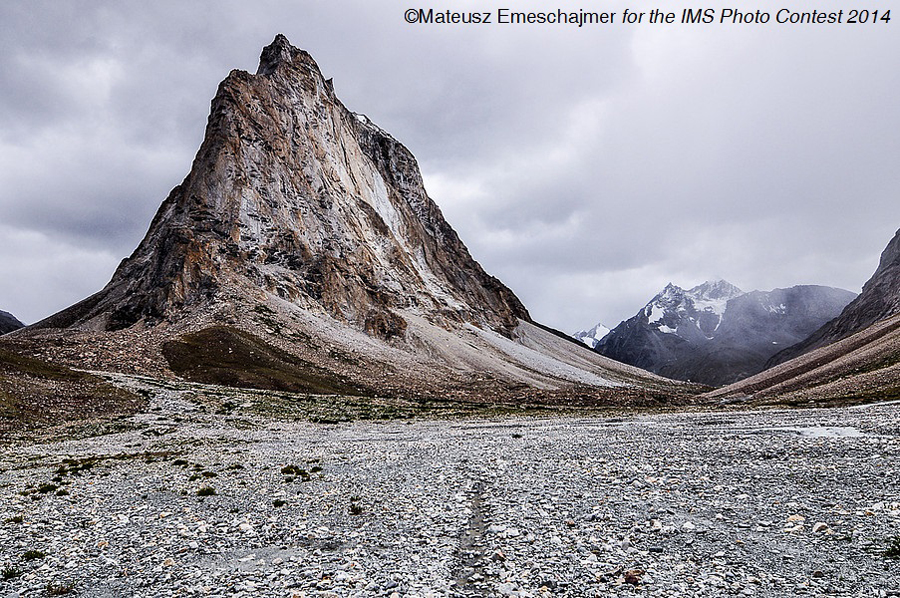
592 337
703 305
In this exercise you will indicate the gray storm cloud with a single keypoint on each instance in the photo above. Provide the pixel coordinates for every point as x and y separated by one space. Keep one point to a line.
584 167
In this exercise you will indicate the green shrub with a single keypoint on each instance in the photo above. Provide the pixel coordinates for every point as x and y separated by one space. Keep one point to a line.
33 555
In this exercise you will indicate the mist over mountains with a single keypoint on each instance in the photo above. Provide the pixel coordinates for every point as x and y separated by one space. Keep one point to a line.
854 357
715 333
879 300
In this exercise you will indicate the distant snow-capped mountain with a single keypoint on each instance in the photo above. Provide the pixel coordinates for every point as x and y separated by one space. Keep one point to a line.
593 336
695 313
715 333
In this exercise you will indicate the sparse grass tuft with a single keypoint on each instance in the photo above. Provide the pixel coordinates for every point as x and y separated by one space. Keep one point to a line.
14 519
292 471
32 555
76 466
231 357
10 573
355 507
206 491
893 549
59 589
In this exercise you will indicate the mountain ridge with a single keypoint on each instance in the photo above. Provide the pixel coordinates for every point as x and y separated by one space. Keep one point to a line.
182 245
9 322
714 333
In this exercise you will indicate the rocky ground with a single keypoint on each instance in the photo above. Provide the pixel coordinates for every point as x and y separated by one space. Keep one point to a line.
198 496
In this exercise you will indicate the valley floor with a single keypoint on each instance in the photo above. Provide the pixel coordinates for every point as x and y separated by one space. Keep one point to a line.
184 500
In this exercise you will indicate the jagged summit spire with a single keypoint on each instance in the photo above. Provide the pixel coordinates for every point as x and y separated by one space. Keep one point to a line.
280 51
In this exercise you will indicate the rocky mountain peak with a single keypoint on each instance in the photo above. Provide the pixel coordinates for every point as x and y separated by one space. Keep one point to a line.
280 53
294 195
715 289
671 290
303 254
674 303
592 337
888 276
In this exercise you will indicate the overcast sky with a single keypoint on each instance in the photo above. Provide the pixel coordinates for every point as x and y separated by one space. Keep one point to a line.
585 168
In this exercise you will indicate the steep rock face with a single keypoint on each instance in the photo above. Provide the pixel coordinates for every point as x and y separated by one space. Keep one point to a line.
715 334
880 299
8 322
302 253
295 194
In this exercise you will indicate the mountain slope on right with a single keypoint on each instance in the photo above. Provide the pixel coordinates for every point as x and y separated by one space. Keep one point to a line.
854 357
880 299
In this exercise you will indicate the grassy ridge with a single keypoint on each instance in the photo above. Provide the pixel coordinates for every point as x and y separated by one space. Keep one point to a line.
34 392
230 357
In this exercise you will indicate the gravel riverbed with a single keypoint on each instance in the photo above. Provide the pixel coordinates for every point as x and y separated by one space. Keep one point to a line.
185 502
